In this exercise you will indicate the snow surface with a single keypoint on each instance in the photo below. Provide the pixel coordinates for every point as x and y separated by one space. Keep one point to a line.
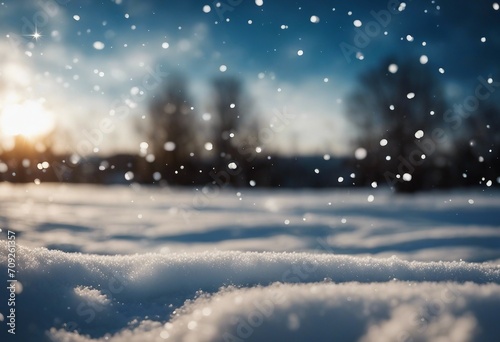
252 296
175 267
124 220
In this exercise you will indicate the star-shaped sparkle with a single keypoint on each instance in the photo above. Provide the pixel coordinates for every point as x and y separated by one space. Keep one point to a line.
36 35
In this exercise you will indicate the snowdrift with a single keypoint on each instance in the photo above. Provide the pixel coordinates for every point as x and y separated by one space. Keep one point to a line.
237 296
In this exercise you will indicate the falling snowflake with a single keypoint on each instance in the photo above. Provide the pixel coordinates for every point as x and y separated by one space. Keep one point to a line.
407 177
129 175
393 68
98 45
360 153
314 19
169 146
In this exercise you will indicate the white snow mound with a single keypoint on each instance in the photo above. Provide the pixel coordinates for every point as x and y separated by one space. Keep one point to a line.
237 296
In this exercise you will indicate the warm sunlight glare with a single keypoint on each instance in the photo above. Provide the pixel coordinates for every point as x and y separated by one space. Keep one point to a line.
28 119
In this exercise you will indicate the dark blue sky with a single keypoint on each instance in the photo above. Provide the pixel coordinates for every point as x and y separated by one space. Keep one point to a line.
82 81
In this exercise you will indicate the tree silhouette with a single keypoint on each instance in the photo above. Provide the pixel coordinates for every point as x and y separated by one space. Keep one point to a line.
477 152
25 157
171 131
394 104
235 132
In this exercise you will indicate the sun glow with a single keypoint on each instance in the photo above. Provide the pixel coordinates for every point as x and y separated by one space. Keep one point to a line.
29 119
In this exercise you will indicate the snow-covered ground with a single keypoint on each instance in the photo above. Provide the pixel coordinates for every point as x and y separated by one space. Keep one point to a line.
250 265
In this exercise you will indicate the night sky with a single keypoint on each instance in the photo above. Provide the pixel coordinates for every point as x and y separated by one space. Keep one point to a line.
302 57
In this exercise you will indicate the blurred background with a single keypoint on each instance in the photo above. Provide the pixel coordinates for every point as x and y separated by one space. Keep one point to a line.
251 93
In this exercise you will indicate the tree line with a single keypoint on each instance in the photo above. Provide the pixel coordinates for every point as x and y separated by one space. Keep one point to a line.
407 135
184 146
412 138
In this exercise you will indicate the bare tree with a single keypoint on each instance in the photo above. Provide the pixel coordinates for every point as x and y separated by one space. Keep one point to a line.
171 132
236 131
399 102
477 153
